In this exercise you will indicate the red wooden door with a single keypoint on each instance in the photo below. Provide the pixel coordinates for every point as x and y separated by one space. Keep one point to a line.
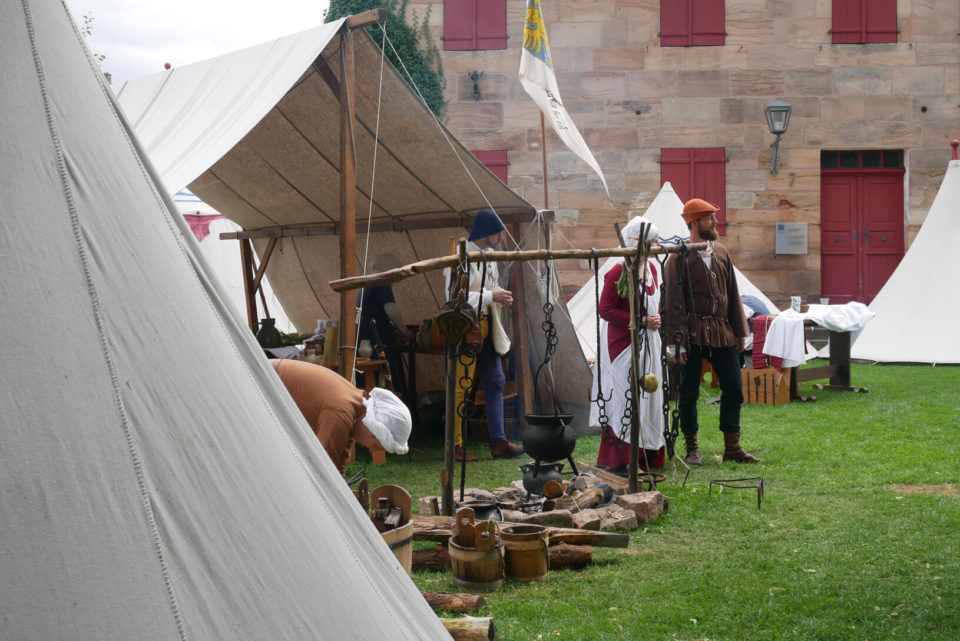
861 231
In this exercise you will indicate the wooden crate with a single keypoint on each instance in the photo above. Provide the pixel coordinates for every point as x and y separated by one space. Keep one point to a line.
766 386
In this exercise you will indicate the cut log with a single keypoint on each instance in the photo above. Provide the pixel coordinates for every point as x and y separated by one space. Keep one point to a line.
555 518
454 602
437 558
618 483
561 556
440 529
471 628
588 498
572 557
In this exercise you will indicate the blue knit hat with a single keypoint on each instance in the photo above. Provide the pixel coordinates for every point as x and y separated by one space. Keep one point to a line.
485 224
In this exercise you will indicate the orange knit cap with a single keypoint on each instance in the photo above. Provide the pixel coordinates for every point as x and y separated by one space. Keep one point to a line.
696 209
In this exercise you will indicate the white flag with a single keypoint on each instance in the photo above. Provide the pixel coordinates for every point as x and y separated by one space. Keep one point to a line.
538 79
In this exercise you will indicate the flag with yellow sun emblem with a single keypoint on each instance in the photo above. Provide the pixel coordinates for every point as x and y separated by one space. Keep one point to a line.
539 80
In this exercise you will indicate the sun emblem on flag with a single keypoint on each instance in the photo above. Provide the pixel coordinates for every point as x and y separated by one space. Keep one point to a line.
535 33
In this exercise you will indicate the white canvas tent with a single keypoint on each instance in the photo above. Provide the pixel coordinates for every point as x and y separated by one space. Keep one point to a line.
664 212
158 482
256 134
224 258
915 308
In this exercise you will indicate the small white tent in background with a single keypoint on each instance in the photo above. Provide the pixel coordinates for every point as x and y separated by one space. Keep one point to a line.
158 481
664 212
918 305
223 256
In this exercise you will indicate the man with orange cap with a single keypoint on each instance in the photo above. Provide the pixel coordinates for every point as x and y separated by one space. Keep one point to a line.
709 315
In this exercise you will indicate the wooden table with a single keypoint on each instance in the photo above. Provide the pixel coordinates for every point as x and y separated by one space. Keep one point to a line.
838 371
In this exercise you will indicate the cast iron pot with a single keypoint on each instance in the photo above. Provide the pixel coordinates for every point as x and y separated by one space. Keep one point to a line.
548 472
548 437
483 509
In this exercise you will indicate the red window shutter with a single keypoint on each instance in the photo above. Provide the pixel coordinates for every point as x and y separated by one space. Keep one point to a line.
459 25
710 182
698 173
491 24
707 26
684 23
495 161
881 20
848 21
674 23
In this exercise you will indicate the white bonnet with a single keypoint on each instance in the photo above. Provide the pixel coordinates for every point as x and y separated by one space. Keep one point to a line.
631 232
388 419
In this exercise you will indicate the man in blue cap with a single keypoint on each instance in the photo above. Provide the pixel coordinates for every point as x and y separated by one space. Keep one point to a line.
487 234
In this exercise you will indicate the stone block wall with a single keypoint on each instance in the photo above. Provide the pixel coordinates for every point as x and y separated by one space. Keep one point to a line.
631 97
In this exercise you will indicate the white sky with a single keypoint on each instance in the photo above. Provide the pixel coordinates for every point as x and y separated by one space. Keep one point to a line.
139 36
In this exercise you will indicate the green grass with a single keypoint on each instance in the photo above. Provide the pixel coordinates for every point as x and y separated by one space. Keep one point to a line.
836 552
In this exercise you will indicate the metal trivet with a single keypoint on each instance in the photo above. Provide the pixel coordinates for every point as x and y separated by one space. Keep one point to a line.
749 483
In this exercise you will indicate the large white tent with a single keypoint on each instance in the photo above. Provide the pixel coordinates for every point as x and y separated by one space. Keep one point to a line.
158 481
915 307
224 256
664 212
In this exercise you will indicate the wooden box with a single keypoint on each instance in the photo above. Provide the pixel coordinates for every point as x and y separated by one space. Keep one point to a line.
766 386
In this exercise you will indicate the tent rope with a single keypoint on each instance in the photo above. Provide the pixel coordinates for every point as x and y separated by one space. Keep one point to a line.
373 181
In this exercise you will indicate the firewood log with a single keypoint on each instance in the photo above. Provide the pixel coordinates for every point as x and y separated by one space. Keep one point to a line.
471 628
561 556
454 602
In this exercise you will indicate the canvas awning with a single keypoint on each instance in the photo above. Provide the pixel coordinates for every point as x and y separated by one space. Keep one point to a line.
256 134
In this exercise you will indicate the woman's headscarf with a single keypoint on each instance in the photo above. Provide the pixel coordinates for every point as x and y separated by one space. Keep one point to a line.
631 231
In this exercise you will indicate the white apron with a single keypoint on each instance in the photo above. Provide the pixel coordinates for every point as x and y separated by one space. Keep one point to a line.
616 381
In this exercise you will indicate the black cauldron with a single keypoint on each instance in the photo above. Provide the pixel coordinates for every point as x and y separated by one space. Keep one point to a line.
548 437
483 509
532 483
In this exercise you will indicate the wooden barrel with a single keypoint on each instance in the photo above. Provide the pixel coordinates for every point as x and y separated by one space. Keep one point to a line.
526 553
400 541
476 568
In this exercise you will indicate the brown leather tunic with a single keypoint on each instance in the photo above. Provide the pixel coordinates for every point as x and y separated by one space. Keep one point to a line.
714 318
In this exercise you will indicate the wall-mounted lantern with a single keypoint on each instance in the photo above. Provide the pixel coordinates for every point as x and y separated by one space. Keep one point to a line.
778 119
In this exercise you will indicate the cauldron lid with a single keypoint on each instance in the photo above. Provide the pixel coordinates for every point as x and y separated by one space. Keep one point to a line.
548 419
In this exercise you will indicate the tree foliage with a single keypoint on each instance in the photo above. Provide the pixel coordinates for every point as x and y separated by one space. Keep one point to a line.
412 41
87 31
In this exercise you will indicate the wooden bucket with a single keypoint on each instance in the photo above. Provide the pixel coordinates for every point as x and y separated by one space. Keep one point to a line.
476 553
526 553
400 541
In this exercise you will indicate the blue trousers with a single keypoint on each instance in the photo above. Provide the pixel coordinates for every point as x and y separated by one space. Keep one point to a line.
490 370
726 365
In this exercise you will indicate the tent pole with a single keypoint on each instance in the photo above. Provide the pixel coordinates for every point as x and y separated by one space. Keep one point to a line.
634 280
348 203
249 291
521 375
433 264
543 156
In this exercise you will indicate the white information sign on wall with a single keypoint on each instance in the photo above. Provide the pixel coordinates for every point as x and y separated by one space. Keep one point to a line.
792 238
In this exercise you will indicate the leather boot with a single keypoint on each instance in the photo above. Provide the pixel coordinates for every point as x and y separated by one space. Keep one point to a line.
502 448
458 455
732 450
693 450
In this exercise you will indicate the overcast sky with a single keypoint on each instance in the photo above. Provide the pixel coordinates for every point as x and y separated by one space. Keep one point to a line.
139 36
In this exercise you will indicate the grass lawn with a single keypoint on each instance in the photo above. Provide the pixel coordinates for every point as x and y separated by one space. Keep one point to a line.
858 536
